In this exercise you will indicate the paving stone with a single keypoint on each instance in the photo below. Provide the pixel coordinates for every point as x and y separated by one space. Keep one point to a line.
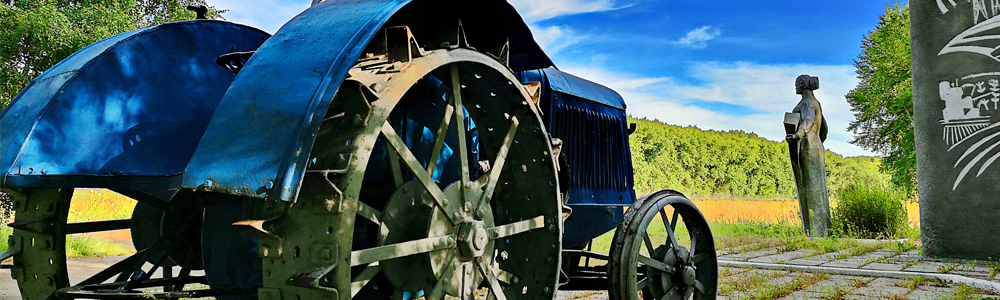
882 287
829 256
744 256
927 267
934 289
844 282
845 263
883 267
925 295
802 295
782 257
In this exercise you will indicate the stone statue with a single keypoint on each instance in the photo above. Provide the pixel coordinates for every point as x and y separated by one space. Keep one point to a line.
807 130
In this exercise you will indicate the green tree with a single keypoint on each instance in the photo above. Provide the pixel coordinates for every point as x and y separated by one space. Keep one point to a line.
883 100
37 34
732 163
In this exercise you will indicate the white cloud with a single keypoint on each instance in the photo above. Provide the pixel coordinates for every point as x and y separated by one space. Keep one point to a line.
699 37
537 10
554 39
768 89
268 15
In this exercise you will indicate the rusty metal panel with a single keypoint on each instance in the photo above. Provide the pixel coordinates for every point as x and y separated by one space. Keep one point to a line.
133 105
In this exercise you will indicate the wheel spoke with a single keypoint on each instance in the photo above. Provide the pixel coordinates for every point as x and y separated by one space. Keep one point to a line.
688 294
699 286
699 258
397 171
491 184
500 232
642 284
491 278
363 278
673 239
504 276
666 222
441 134
386 252
691 251
456 98
437 292
369 213
655 264
419 172
647 242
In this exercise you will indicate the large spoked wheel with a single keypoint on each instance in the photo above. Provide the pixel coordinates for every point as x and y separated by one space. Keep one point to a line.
663 249
430 176
167 235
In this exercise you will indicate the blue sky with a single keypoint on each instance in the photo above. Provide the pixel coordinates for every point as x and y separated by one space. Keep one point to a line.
715 64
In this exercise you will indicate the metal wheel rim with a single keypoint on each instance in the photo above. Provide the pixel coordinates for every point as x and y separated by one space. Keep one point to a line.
335 178
660 284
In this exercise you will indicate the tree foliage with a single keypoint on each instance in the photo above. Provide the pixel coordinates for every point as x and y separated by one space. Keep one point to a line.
729 163
883 100
37 34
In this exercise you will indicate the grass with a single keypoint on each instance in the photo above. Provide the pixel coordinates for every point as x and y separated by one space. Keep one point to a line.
89 205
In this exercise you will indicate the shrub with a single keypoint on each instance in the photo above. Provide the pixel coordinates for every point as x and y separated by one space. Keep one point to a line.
870 211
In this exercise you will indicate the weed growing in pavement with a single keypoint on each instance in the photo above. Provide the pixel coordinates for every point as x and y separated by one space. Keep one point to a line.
913 282
947 268
964 292
859 282
745 281
770 291
909 264
994 268
940 283
835 292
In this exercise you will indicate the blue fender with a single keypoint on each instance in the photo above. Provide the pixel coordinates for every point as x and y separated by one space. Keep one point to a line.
259 142
127 111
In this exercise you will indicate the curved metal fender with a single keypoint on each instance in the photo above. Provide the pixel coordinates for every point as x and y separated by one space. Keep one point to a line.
258 144
131 106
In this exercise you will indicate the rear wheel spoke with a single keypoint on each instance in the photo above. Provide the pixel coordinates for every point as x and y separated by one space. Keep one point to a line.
387 252
519 227
494 177
491 278
418 171
362 279
456 101
394 167
442 133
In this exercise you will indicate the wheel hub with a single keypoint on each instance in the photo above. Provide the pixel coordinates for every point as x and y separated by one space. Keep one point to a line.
411 215
472 240
685 274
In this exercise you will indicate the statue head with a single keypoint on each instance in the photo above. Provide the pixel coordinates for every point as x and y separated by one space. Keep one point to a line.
806 82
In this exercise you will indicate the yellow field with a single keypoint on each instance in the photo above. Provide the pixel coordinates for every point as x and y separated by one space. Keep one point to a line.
738 210
99 204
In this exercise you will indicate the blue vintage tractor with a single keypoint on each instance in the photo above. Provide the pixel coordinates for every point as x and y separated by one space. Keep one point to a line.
370 149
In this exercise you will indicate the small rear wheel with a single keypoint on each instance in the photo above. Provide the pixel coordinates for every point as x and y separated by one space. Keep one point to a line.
663 249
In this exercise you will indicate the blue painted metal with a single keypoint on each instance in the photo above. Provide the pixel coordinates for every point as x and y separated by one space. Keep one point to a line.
128 110
591 121
260 141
